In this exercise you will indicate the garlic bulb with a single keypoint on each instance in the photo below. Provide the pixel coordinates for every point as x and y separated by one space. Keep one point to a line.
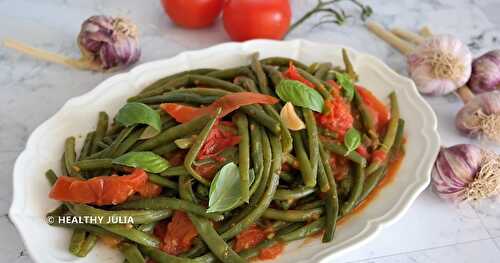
290 118
111 42
481 116
106 43
466 172
440 65
486 72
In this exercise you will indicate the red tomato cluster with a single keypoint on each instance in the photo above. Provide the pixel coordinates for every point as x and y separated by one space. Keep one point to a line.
243 19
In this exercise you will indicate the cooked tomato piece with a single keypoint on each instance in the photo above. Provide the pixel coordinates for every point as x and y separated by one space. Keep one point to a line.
249 238
110 241
293 74
340 166
338 117
378 108
149 190
180 234
362 151
220 138
272 252
101 190
208 170
378 155
228 103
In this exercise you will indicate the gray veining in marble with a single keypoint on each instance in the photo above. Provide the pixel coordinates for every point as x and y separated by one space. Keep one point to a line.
31 91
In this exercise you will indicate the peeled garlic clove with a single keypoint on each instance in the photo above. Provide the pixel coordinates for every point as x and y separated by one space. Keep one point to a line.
110 42
290 118
440 65
485 72
481 116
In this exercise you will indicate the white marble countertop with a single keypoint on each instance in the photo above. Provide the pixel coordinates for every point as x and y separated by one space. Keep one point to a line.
31 91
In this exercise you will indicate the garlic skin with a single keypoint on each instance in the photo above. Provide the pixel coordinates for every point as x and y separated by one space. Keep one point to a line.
290 118
109 42
440 65
481 116
486 72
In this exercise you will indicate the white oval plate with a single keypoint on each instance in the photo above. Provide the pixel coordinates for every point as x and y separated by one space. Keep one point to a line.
45 146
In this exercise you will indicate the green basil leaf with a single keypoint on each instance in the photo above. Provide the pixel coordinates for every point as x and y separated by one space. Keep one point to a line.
300 95
225 191
148 133
352 140
148 161
139 113
345 82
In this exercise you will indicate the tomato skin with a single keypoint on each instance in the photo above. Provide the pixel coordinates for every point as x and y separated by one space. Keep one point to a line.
379 110
193 13
249 238
101 190
149 190
179 235
250 19
293 74
272 252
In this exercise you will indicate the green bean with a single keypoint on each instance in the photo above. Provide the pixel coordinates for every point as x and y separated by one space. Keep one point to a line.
244 155
304 231
213 82
76 242
198 249
179 96
131 139
348 66
355 193
87 245
311 205
174 133
308 176
262 118
161 82
87 144
196 147
172 84
147 228
107 217
51 177
341 150
114 129
282 61
161 257
284 194
345 186
162 181
322 70
58 211
133 235
311 69
92 164
261 75
274 74
293 215
317 83
287 177
324 186
88 228
206 231
102 145
390 135
161 203
256 152
131 253
286 137
174 171
100 131
165 149
202 191
70 156
110 152
312 139
266 199
255 251
366 117
230 73
331 198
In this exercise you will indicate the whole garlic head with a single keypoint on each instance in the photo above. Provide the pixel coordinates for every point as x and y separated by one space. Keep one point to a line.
440 65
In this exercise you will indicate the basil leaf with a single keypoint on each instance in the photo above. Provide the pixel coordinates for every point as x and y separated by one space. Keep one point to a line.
139 113
352 140
300 95
149 132
225 191
148 161
345 82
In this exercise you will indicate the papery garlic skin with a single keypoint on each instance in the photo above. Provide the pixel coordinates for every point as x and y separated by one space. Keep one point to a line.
481 115
440 65
485 72
110 42
454 170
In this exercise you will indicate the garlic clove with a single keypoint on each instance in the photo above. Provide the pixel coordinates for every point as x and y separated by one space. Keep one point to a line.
290 118
486 72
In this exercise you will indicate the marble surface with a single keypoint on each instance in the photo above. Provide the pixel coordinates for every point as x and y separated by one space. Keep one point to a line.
31 91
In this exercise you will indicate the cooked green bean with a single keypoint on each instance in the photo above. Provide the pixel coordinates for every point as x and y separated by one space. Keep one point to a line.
366 117
331 199
161 257
308 176
311 205
284 194
293 215
312 139
281 61
322 70
341 150
261 75
87 144
174 171
304 231
87 245
311 69
162 181
109 217
231 73
92 164
133 235
161 82
318 85
274 74
51 177
147 228
287 177
70 156
165 148
172 84
131 139
100 131
244 155
355 193
131 253
390 135
162 203
186 97
196 147
324 186
348 66
76 242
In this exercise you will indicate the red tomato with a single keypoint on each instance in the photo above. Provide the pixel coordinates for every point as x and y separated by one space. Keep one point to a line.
249 19
228 103
378 155
338 117
293 74
193 13
101 190
377 107
149 190
180 234
272 252
219 139
249 238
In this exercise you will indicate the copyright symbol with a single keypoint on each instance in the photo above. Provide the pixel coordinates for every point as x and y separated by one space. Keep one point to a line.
50 220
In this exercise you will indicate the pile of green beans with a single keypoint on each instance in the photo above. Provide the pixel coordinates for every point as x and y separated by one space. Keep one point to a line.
287 178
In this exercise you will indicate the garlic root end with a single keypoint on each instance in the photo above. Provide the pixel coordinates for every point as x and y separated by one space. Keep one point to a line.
408 36
403 46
